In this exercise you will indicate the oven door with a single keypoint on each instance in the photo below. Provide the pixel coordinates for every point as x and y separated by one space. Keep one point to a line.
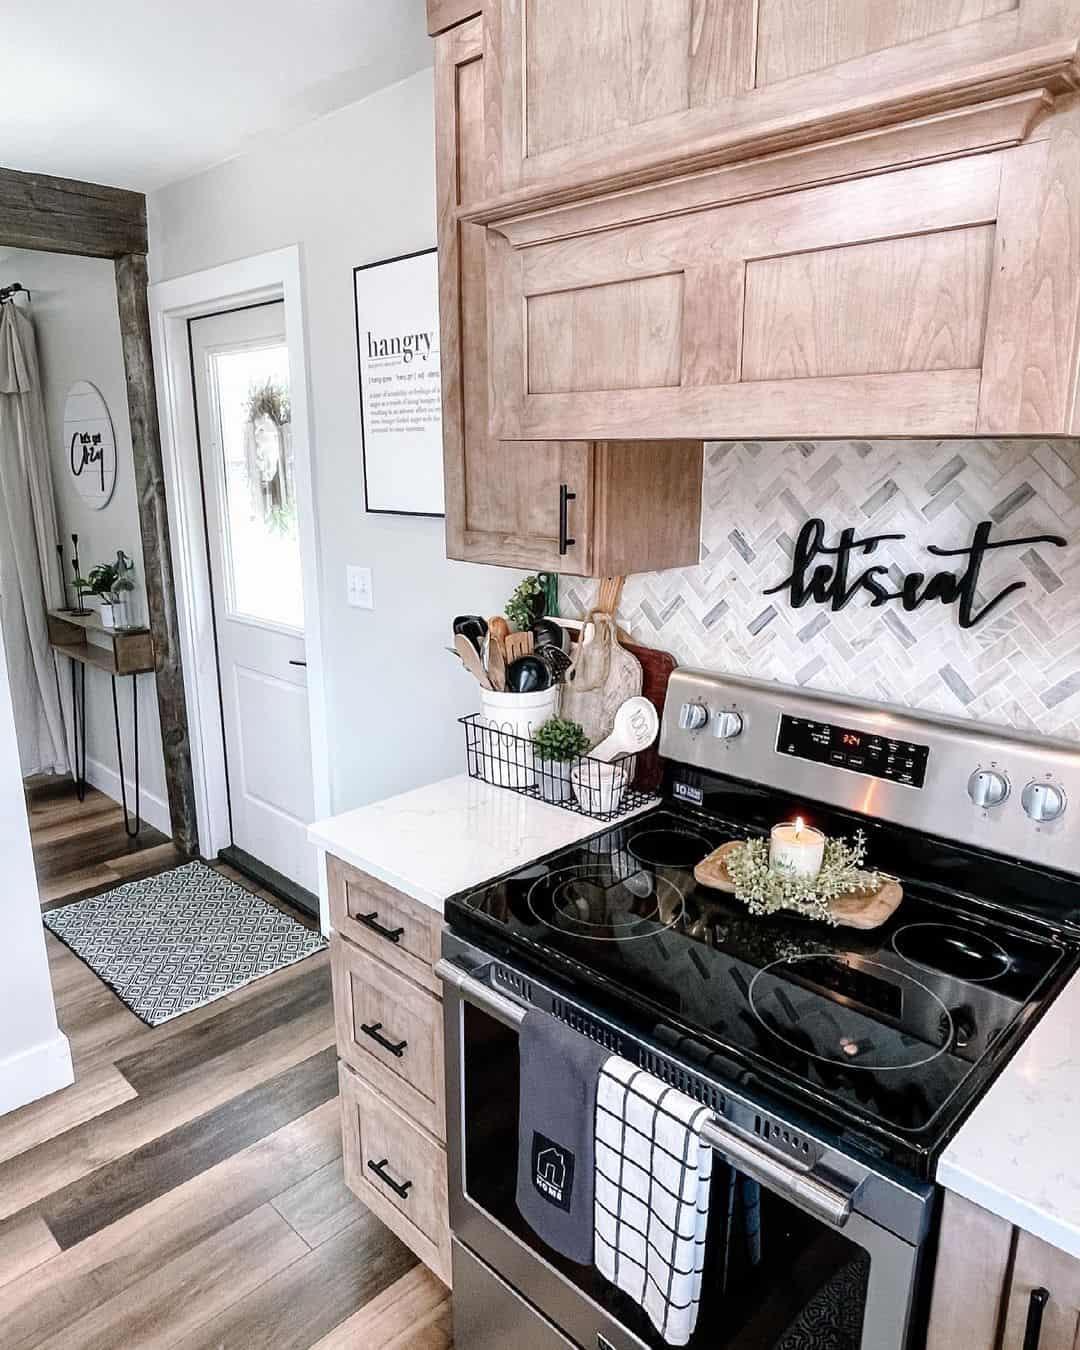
789 1266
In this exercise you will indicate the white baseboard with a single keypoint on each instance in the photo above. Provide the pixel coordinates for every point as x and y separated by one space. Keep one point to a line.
105 778
35 1073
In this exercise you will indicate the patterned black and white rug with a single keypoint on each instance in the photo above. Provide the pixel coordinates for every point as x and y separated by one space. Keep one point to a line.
177 941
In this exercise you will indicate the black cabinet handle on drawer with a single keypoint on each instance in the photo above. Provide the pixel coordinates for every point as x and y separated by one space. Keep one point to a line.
373 1032
565 498
390 934
1036 1305
399 1187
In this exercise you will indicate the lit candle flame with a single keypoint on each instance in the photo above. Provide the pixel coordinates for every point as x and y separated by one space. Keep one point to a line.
799 826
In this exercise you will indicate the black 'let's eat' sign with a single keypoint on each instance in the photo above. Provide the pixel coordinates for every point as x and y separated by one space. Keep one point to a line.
831 583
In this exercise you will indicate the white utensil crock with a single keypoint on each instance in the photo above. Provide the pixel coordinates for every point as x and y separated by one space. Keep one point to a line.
505 760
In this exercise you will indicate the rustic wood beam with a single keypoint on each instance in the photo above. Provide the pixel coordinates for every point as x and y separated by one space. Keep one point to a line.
59 215
131 282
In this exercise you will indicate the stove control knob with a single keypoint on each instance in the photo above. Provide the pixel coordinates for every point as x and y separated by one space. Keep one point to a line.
693 716
987 787
1043 802
727 725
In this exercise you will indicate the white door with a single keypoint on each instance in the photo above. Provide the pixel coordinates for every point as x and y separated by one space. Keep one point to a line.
241 370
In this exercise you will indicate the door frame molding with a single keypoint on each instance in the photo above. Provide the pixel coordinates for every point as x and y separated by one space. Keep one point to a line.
264 277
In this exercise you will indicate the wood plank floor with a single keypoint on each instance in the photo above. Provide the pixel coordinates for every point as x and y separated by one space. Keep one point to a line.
187 1190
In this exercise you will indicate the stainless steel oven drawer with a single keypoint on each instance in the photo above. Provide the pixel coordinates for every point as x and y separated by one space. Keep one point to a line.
489 1315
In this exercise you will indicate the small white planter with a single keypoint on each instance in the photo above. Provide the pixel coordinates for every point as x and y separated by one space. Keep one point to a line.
553 776
599 787
109 616
507 725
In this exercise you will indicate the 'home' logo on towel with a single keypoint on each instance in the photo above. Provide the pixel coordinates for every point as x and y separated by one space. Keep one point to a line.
553 1170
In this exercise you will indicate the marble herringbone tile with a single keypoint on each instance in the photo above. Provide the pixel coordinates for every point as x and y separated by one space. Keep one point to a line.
1020 668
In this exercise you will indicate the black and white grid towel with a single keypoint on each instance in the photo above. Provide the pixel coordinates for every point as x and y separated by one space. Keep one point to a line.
651 1195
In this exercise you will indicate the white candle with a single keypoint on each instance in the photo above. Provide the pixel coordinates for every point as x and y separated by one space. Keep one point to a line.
796 850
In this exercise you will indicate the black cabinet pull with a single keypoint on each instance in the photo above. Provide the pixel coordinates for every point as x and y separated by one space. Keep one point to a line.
298 663
373 1032
565 498
399 1187
1036 1306
390 934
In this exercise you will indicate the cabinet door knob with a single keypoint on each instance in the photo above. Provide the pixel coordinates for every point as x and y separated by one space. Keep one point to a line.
1036 1306
565 498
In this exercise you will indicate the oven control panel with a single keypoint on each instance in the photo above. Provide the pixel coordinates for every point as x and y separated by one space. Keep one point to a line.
848 748
1012 794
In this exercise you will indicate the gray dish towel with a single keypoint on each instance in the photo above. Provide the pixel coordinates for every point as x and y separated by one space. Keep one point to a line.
556 1129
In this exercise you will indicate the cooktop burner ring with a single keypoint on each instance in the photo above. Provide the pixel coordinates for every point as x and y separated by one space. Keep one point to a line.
685 855
664 893
976 949
845 1057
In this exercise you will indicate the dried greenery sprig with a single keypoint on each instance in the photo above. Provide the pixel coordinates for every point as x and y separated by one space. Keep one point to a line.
764 891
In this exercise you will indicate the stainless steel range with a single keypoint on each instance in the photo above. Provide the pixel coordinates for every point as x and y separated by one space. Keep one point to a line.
837 1063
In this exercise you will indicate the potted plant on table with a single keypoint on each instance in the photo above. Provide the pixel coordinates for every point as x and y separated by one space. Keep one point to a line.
558 743
110 582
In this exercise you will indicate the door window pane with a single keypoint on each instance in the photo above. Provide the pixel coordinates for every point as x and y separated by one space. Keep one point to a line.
261 544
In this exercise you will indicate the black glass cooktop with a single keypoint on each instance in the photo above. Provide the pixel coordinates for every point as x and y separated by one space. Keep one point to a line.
890 1031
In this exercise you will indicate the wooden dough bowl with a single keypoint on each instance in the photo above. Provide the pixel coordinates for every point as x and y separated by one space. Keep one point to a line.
854 910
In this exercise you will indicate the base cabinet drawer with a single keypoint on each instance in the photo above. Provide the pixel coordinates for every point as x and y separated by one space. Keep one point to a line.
378 919
397 1170
390 1031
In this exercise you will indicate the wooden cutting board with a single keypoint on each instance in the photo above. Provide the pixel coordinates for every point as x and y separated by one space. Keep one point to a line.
656 668
855 910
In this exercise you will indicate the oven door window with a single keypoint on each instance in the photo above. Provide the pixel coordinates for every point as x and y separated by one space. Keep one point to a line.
775 1278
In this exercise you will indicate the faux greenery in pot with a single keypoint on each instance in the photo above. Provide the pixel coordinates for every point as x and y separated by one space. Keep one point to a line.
527 603
557 744
110 582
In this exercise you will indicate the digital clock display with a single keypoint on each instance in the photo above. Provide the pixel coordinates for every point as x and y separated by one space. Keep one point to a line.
859 752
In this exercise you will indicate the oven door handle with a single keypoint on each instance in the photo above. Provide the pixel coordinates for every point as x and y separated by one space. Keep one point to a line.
504 1010
813 1193
822 1199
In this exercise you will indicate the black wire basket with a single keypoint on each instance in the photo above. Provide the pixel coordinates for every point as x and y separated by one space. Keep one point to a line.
587 786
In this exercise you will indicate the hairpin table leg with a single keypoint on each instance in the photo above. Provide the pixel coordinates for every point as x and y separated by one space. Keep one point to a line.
131 833
78 727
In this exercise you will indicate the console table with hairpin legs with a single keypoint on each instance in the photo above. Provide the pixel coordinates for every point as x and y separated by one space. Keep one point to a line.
121 653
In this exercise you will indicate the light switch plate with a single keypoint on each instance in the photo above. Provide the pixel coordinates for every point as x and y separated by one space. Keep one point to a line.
358 587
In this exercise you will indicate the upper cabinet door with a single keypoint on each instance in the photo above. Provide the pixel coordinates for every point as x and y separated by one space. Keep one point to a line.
590 90
832 292
505 504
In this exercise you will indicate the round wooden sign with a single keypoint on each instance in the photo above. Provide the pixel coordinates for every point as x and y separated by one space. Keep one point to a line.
90 444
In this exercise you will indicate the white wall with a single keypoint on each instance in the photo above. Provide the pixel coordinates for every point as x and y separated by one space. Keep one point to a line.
352 188
78 332
34 1055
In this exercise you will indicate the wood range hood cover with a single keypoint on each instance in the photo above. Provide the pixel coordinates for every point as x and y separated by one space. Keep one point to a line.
882 245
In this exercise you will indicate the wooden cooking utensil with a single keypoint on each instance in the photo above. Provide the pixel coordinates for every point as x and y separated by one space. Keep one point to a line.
518 644
498 628
470 659
496 663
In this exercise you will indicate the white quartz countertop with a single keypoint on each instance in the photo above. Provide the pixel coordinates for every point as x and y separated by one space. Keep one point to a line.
448 836
1016 1153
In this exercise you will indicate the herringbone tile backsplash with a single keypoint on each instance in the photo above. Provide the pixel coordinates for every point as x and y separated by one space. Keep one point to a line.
1018 668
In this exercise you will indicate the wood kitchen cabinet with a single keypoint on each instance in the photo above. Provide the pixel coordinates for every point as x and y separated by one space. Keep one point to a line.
845 289
570 505
680 220
993 1281
389 1020
587 94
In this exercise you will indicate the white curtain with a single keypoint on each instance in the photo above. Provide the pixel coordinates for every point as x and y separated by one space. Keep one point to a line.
29 569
